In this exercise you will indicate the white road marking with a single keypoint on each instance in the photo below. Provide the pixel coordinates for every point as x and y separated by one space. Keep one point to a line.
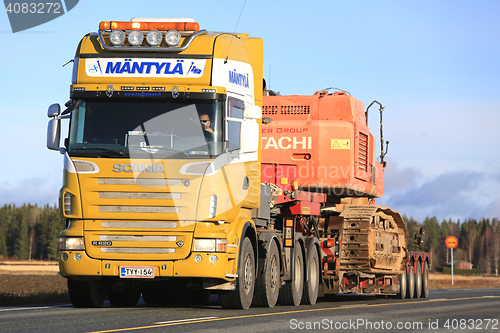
183 320
35 307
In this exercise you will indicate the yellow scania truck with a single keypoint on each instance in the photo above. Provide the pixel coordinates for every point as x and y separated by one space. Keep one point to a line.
161 163
175 185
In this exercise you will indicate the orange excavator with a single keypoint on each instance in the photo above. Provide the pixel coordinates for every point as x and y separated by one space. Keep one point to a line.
318 152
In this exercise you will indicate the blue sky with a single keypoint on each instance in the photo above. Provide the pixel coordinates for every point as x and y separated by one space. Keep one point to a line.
433 64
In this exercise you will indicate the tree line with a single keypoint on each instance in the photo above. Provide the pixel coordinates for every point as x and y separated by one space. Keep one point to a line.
478 241
30 232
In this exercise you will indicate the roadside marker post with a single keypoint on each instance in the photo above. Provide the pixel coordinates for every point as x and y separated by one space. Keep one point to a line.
451 242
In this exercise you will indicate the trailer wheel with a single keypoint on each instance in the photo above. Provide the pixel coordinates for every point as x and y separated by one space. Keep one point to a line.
291 292
85 294
126 298
410 281
425 281
311 286
267 285
241 298
418 281
402 286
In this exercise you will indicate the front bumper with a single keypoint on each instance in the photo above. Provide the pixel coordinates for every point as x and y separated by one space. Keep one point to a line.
224 268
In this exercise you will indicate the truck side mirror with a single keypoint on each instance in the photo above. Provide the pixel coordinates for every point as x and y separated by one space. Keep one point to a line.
54 127
249 136
252 112
54 133
54 110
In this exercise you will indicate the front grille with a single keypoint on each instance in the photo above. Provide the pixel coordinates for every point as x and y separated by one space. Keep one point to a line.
139 195
134 250
140 181
138 209
139 225
134 238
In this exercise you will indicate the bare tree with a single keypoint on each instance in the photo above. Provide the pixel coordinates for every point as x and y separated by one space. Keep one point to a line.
469 235
495 249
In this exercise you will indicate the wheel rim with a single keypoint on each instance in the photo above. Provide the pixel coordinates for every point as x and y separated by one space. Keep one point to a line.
314 275
297 274
274 273
248 274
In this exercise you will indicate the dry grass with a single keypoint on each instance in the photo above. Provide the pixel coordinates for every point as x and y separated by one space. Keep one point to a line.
443 281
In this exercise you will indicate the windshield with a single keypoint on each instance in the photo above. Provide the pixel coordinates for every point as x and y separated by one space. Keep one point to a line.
146 129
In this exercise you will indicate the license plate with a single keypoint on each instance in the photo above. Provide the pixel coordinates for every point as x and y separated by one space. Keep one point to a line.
137 272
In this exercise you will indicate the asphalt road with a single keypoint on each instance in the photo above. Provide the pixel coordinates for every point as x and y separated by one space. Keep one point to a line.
446 310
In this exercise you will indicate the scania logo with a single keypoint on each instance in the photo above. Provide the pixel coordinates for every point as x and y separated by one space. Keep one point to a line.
152 168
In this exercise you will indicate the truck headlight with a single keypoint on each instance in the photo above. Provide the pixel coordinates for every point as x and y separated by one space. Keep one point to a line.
210 245
154 38
172 37
70 243
135 38
117 37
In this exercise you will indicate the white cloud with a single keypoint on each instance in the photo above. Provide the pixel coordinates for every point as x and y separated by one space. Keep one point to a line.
454 194
31 190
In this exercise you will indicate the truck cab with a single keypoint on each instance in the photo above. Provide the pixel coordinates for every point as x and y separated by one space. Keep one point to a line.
161 162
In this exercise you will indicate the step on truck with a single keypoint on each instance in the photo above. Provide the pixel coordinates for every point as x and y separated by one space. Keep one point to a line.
181 179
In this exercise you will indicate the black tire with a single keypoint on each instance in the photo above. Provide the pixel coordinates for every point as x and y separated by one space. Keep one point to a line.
126 298
267 285
402 286
311 285
86 294
418 281
242 296
291 292
425 281
410 281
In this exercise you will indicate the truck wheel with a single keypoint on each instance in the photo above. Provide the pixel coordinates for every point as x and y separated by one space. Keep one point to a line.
418 281
311 286
291 292
410 281
267 285
154 297
126 298
85 294
241 298
402 286
425 281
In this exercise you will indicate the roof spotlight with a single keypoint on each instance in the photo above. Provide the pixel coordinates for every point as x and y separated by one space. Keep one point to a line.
117 37
135 38
154 38
173 37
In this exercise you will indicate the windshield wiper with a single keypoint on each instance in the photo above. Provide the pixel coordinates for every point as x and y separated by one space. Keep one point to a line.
118 152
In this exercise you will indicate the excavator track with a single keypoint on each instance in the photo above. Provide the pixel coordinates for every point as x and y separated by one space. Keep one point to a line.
372 240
